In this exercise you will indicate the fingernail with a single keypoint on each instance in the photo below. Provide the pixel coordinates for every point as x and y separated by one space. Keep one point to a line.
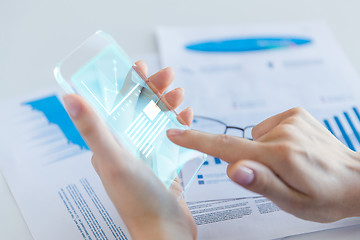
72 105
243 176
180 90
175 132
166 69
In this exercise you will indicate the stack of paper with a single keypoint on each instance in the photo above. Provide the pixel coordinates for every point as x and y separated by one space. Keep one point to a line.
239 75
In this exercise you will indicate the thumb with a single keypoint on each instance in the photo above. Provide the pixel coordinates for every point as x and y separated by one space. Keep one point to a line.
110 158
89 124
258 178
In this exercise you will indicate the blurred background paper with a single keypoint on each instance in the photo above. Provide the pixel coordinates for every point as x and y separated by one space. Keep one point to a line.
227 70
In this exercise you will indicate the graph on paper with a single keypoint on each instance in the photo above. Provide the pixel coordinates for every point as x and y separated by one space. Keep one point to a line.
211 178
238 45
345 126
50 129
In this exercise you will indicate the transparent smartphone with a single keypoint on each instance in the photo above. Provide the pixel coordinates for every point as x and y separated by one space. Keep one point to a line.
101 72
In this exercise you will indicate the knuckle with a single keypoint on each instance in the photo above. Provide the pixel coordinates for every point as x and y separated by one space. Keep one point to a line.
263 184
222 139
286 131
255 131
220 142
297 111
86 129
286 151
292 120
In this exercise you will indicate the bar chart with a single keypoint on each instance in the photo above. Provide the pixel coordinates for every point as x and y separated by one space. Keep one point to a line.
48 127
345 126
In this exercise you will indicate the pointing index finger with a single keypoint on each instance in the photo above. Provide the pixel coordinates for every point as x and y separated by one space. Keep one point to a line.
225 147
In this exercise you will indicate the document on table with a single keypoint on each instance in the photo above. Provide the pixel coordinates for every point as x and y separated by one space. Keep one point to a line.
252 219
61 196
230 69
50 174
243 75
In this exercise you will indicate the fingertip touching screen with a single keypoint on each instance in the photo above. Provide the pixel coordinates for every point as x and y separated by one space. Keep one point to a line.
102 73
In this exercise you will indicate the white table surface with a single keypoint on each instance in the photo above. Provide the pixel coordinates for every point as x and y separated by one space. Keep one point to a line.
35 35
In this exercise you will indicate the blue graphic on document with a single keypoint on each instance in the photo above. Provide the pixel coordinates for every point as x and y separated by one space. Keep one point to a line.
203 178
346 127
247 44
55 113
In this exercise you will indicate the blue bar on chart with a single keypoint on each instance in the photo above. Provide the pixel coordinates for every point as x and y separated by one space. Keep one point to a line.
351 138
200 179
352 126
248 44
343 132
327 124
60 135
216 161
356 112
55 113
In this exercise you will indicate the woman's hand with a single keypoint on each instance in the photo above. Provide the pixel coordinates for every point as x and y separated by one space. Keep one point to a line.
148 209
294 161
